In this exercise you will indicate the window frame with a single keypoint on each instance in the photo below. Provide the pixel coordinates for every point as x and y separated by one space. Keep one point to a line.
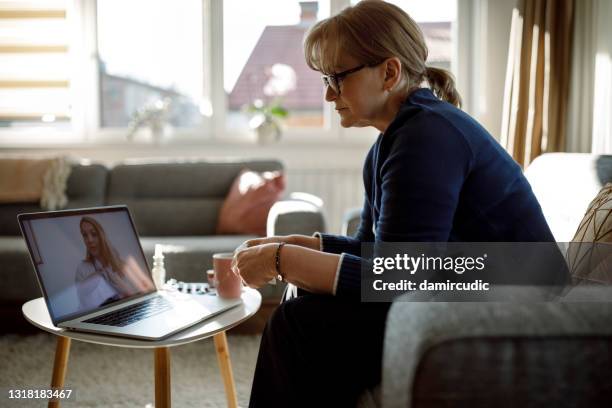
86 129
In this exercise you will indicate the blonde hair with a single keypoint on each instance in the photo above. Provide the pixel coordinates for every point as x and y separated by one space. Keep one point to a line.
108 254
371 32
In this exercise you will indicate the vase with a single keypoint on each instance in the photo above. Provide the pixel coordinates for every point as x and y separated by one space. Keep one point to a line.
160 133
268 132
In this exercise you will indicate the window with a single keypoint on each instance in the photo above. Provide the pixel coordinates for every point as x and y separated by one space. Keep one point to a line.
150 57
35 87
87 67
264 60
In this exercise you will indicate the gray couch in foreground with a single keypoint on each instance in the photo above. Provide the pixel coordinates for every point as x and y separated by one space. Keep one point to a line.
172 203
513 354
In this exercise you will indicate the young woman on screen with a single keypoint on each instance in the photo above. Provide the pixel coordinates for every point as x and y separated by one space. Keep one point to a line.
103 276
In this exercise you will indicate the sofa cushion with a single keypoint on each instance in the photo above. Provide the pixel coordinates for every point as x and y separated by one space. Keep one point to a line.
246 207
34 180
552 371
188 193
173 216
596 226
590 252
86 187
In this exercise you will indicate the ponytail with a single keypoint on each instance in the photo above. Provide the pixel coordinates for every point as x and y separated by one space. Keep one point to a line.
442 84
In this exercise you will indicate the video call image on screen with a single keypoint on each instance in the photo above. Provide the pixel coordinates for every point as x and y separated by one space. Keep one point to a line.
86 261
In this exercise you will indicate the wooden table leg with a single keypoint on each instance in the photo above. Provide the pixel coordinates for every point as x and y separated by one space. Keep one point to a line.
162 377
62 350
226 369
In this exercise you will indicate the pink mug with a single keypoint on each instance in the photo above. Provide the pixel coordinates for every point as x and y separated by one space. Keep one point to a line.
229 284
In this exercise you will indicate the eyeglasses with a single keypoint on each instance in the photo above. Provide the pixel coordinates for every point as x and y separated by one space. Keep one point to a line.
335 80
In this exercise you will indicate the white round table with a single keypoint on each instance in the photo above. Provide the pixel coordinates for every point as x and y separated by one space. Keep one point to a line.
35 311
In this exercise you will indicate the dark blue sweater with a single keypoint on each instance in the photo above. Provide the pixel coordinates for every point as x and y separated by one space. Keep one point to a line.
436 175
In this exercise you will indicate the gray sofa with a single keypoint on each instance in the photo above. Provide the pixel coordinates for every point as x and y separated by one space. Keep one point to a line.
509 354
172 203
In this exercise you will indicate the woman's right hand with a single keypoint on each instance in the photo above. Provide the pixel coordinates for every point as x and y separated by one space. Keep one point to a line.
295 239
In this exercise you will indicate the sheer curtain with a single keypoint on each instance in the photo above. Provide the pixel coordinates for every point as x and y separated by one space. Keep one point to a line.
580 109
590 100
537 79
602 102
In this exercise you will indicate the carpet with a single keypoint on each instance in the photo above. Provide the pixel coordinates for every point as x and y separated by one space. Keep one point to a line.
114 377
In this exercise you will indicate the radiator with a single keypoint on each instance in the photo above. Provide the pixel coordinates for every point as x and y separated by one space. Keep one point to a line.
340 189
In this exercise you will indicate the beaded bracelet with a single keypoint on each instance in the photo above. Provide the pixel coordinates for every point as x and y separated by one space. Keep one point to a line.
279 275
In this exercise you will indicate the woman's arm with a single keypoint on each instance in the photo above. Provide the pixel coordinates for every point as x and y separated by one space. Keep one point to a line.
313 271
306 268
312 242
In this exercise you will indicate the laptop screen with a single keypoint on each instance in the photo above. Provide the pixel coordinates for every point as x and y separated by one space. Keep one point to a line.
86 259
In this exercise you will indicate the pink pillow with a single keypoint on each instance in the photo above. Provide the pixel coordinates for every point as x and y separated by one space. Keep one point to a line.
245 209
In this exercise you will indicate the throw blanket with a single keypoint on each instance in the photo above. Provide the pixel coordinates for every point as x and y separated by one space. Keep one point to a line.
34 180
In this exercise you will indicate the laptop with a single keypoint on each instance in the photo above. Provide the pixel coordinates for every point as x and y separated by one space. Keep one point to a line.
95 278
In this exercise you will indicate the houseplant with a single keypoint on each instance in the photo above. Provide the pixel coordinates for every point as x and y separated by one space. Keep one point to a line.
268 112
153 115
266 120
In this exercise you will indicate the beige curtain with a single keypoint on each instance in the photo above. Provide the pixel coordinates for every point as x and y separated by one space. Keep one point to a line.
537 79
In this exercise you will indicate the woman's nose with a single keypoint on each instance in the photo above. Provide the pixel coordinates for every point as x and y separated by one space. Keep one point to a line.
330 94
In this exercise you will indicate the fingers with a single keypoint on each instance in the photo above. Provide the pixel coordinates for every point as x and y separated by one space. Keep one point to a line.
253 242
234 260
248 244
261 241
236 270
255 265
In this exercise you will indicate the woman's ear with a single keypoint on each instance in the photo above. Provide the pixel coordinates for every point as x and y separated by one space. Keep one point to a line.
393 73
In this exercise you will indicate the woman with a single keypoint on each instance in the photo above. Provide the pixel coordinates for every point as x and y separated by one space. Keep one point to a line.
102 276
433 175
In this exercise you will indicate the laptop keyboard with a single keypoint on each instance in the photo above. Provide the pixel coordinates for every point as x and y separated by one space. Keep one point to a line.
133 313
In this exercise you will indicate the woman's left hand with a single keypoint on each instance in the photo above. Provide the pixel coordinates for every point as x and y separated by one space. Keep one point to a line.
256 265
